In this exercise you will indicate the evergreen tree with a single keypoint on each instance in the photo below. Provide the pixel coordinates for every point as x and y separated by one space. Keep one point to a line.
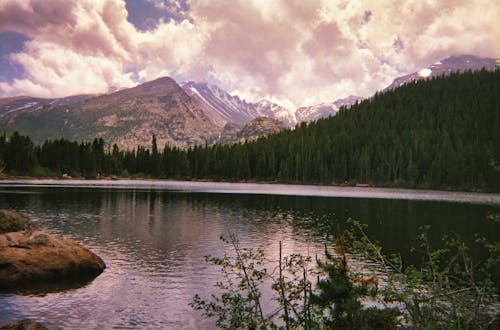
20 158
155 158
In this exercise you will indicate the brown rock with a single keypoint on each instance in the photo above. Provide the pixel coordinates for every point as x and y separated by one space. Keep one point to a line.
34 256
258 127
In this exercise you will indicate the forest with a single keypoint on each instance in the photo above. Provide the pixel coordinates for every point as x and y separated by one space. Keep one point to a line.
441 133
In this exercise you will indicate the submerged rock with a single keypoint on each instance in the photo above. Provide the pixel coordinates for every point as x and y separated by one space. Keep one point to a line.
29 256
12 221
23 325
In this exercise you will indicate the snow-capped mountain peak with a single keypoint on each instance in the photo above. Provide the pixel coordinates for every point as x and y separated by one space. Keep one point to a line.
315 112
232 109
266 108
347 101
446 66
323 110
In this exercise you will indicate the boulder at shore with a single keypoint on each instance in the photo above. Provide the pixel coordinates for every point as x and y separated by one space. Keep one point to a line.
29 256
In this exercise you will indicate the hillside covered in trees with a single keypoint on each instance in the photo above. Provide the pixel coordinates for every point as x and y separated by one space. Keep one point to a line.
440 133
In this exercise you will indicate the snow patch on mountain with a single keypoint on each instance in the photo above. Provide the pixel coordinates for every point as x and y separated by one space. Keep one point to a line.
219 103
347 101
265 108
315 112
446 66
24 106
324 110
424 73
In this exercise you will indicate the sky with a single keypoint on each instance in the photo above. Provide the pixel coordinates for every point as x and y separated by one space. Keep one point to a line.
292 52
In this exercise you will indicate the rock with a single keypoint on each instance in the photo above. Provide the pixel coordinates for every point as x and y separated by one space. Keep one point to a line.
12 221
32 256
258 127
261 126
23 325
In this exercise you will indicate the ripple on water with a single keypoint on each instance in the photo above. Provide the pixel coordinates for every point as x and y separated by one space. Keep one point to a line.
154 244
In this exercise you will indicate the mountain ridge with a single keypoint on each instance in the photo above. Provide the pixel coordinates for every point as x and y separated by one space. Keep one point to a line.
234 110
128 117
445 67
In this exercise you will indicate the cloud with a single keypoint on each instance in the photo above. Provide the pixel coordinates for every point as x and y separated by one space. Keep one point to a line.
52 70
296 52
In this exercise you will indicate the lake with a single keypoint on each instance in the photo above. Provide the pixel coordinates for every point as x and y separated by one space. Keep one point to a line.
153 236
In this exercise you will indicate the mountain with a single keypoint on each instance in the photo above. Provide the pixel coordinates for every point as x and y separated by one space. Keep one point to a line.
128 118
265 108
324 110
315 112
348 101
20 104
441 133
222 106
219 104
262 126
445 67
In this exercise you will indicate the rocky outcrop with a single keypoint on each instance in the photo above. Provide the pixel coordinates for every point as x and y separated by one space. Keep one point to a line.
261 126
29 256
230 133
258 127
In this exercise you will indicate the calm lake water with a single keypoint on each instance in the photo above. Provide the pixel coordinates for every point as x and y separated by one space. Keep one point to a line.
153 236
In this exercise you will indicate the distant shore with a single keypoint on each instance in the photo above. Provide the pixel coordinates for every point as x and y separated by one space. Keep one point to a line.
261 188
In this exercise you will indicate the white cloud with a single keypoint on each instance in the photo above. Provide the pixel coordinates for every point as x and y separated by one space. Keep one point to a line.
297 52
55 71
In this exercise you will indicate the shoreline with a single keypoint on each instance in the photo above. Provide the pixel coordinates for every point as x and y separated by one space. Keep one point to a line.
260 188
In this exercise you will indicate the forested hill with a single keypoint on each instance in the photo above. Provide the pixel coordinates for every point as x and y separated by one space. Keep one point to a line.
438 133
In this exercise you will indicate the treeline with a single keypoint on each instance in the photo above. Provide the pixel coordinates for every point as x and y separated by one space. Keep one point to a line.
439 133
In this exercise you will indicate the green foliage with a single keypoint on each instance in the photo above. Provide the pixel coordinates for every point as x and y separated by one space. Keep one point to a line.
293 290
245 273
447 290
340 294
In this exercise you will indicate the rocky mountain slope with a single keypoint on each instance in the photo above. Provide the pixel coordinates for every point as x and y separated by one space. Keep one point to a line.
22 104
262 126
219 104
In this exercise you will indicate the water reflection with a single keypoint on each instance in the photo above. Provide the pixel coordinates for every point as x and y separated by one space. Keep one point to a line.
154 243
